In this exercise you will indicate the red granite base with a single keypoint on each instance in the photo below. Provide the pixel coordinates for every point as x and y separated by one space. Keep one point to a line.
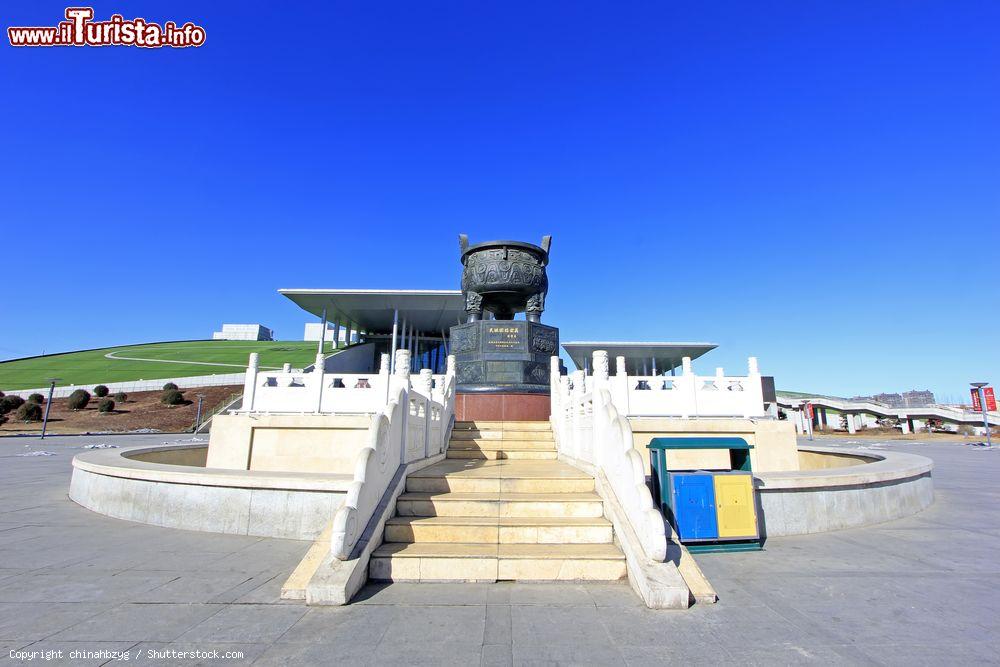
502 407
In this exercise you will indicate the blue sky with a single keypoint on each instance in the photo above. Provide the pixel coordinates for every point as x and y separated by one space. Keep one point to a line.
812 183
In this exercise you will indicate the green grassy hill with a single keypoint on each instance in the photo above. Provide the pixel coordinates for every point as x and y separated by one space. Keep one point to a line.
151 361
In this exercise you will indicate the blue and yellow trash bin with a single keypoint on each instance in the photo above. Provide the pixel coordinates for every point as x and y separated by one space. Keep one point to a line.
710 510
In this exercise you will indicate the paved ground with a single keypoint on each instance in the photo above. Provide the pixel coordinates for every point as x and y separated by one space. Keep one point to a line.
921 590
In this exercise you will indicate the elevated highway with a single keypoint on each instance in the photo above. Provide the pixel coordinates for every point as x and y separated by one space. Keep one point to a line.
854 409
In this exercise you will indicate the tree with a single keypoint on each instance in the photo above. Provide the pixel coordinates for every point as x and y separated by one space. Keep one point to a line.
106 405
100 391
29 412
79 399
10 403
172 397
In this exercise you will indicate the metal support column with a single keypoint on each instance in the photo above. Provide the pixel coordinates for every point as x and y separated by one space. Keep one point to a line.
392 349
322 333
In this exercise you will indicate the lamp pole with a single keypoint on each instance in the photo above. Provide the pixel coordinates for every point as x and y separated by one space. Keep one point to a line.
48 405
982 408
808 409
197 419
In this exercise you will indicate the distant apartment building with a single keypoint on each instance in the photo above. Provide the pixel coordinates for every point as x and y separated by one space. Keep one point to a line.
915 398
243 332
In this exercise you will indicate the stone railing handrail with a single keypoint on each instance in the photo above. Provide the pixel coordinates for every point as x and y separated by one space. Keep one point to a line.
413 425
686 395
588 428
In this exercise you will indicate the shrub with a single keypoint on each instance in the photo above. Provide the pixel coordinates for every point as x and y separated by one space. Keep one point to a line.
100 391
172 397
106 405
36 398
170 386
10 403
121 397
78 399
2 394
29 412
3 419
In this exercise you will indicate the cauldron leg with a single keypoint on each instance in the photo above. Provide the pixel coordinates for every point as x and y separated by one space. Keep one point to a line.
473 306
534 308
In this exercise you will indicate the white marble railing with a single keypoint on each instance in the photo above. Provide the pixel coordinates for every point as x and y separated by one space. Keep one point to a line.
317 391
688 395
589 428
412 425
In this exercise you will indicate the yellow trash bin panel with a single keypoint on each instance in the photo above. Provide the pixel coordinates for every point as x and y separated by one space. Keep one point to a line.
734 505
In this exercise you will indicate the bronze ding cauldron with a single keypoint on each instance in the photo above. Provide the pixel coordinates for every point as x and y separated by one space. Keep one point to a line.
504 278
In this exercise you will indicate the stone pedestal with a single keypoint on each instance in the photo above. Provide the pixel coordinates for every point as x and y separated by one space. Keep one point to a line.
502 407
503 356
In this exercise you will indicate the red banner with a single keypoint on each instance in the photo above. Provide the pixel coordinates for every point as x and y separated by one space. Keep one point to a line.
991 400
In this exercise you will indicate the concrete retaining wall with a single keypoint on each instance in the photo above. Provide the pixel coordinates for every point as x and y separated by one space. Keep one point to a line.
139 385
886 486
120 484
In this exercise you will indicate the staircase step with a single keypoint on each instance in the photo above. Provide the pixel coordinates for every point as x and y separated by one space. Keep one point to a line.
545 505
490 562
500 454
500 504
503 426
543 436
429 561
560 562
508 530
449 483
479 443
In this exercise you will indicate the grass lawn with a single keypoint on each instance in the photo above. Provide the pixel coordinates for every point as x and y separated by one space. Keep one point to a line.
160 360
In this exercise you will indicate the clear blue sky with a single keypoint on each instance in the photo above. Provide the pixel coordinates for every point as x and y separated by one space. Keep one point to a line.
813 183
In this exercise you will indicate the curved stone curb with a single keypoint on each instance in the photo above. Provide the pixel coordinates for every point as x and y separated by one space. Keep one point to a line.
243 502
891 486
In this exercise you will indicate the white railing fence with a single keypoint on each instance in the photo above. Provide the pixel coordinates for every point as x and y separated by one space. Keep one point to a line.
413 425
589 428
318 391
688 395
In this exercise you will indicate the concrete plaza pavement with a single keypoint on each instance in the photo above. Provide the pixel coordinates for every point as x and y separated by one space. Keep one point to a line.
921 590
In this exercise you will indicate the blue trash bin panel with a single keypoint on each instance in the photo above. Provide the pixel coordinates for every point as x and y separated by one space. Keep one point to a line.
694 506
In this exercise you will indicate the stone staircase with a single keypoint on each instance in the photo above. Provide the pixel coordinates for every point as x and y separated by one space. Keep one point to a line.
500 507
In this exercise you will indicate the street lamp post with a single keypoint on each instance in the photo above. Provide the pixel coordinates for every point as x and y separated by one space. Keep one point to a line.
197 419
982 408
48 405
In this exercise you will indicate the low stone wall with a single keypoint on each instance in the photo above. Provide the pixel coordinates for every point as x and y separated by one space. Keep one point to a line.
774 444
863 489
167 486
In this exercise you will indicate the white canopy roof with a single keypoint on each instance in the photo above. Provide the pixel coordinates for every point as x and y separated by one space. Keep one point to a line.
372 310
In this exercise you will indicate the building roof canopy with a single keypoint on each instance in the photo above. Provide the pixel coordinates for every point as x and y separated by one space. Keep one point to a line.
429 311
